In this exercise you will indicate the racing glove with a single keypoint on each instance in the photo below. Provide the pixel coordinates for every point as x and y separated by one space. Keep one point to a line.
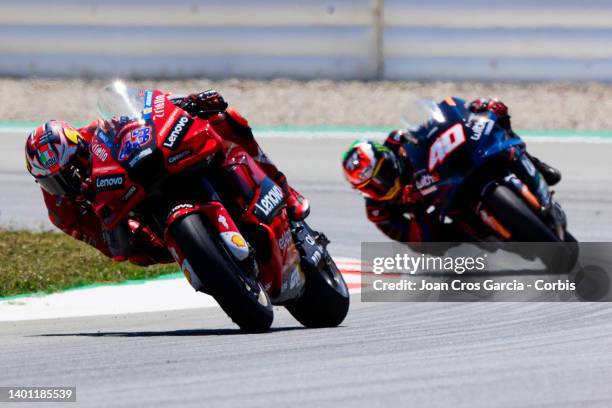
204 104
551 174
494 105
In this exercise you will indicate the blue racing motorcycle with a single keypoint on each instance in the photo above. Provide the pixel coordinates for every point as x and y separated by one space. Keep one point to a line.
476 175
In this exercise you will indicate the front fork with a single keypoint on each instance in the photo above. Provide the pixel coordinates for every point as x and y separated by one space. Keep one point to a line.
221 223
311 245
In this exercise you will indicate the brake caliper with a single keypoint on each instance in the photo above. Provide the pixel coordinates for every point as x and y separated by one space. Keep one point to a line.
311 245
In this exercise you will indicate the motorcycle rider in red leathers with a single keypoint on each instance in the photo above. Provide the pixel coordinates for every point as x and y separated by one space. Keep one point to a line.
58 157
392 200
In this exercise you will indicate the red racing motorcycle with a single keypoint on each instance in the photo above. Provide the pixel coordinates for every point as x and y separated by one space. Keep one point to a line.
222 219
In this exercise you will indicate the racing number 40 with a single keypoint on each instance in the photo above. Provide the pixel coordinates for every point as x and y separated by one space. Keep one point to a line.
448 141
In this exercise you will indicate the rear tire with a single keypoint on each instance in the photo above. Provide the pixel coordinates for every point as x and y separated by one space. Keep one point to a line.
514 214
325 301
239 295
525 226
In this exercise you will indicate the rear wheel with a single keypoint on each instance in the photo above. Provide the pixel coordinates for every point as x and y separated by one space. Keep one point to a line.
512 212
525 226
325 301
241 296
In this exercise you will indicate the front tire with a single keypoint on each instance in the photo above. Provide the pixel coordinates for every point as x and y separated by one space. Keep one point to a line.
325 301
241 296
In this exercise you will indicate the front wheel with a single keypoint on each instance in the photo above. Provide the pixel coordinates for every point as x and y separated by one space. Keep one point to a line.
325 301
241 296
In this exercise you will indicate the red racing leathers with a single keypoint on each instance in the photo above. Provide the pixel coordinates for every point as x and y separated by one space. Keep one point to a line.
74 216
133 241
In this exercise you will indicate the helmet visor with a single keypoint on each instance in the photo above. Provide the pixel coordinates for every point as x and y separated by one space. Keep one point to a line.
384 183
64 183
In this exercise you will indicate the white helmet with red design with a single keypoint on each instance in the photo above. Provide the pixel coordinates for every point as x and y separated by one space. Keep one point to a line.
58 158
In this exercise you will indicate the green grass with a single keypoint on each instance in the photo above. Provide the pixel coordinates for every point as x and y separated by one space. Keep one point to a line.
49 262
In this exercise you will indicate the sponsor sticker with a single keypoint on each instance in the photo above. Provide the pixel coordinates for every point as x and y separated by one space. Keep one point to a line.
159 106
144 153
238 241
99 151
178 207
425 180
178 132
179 156
481 127
285 240
104 138
270 201
129 193
148 103
111 182
134 140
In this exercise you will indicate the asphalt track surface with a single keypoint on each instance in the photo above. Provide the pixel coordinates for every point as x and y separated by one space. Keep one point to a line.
408 354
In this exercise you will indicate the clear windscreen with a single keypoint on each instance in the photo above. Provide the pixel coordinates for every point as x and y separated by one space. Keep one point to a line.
417 112
118 101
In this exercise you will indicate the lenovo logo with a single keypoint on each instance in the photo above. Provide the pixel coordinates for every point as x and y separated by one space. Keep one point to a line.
179 130
270 201
112 182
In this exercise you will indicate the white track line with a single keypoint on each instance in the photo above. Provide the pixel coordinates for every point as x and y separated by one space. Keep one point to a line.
149 296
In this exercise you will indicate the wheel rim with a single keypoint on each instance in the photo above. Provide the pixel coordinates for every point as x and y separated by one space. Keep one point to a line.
256 290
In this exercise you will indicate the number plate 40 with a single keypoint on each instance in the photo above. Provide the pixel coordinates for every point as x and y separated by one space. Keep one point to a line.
448 141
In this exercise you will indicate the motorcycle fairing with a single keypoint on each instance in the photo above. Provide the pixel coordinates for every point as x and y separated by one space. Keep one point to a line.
464 151
142 153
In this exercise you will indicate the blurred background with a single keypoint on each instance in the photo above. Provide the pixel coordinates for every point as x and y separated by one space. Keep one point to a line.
316 62
336 39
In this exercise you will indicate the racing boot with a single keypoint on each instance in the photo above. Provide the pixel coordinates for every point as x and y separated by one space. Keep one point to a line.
551 175
297 205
